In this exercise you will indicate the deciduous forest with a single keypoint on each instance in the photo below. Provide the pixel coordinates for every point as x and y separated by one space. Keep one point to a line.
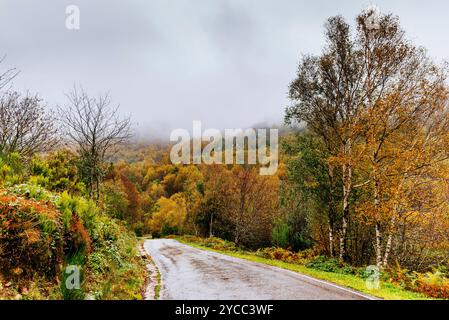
363 179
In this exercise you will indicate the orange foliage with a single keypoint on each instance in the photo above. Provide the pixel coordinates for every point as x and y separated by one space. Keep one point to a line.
30 236
79 235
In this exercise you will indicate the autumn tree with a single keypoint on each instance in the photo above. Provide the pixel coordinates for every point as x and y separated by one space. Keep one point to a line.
356 71
169 216
25 125
253 206
309 193
215 210
95 128
405 149
189 180
327 94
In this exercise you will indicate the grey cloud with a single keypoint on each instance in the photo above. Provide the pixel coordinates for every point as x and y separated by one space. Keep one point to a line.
168 62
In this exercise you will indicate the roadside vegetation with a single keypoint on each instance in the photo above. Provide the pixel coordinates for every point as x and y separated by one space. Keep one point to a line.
58 237
364 182
44 232
319 267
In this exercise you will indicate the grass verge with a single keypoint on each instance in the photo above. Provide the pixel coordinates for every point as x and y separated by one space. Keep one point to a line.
157 289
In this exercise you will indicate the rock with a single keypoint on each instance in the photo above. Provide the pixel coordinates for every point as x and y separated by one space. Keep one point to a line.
89 296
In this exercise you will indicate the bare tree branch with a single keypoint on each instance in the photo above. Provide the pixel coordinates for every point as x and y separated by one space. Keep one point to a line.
95 128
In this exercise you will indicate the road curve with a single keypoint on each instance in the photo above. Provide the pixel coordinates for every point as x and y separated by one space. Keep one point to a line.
193 274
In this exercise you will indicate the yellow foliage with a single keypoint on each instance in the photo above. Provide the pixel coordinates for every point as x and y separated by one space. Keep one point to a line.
171 214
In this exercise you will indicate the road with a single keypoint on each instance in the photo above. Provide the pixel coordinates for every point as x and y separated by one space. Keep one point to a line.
189 274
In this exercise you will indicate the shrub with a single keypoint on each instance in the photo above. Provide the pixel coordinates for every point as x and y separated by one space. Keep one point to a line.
400 276
32 191
77 237
75 259
56 172
70 205
281 234
140 228
12 169
280 254
30 236
330 265
211 242
219 244
434 285
41 232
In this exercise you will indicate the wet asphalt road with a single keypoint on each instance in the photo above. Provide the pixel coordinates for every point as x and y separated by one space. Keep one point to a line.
189 273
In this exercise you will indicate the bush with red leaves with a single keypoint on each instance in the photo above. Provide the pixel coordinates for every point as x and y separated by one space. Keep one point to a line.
31 237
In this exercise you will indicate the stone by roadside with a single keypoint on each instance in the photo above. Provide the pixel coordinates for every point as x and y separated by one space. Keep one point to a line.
152 281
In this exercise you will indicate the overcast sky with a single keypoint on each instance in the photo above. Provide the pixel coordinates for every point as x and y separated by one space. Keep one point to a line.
168 62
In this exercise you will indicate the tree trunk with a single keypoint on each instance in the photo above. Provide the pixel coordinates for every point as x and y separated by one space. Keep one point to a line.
343 238
211 234
331 240
378 246
387 250
389 242
347 188
331 209
378 242
97 187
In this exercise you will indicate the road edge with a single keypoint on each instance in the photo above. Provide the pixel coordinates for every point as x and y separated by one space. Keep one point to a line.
325 282
153 283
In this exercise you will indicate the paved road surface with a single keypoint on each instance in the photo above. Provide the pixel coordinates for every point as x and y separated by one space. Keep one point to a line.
189 273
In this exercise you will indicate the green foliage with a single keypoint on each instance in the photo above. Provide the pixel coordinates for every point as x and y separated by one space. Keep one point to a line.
115 200
211 242
69 205
280 254
77 259
281 234
12 169
307 195
57 172
70 230
330 265
32 191
140 228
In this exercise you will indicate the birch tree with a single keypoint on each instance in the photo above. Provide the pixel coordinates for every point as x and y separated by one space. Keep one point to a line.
357 70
